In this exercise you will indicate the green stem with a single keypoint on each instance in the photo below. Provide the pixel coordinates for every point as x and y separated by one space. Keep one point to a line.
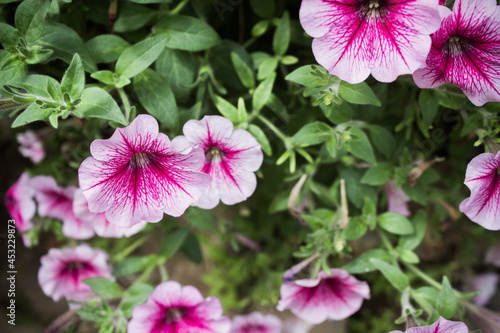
163 272
276 131
388 245
123 254
125 102
145 274
249 42
179 7
420 302
424 276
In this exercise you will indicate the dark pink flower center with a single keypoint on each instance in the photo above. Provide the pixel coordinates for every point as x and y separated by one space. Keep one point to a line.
173 315
77 269
214 154
373 9
457 45
253 328
140 160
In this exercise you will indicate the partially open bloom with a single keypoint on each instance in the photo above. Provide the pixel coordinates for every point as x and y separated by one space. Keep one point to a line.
440 326
387 38
63 270
256 322
31 146
335 296
231 157
483 179
20 203
138 174
465 51
397 200
175 309
56 202
98 221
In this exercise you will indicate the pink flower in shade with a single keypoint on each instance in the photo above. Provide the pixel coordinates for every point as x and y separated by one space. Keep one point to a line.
353 38
98 221
397 200
138 174
31 146
466 51
483 179
335 296
56 202
256 322
63 270
231 157
175 309
493 256
487 284
20 203
440 326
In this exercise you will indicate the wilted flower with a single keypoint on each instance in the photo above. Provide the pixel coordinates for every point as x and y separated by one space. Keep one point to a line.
335 296
63 270
20 204
487 284
56 202
231 157
483 179
31 146
465 52
175 309
440 326
353 38
397 200
138 174
256 322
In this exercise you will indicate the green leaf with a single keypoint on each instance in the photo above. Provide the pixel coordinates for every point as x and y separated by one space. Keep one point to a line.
227 109
395 223
360 146
106 48
65 42
73 80
36 85
312 134
472 123
267 67
9 37
379 174
411 242
337 114
362 264
157 98
191 249
427 294
31 114
104 287
393 274
37 54
200 218
261 138
106 77
355 229
30 18
243 70
306 75
263 8
360 93
429 105
409 256
133 17
97 103
179 68
242 111
281 38
187 33
132 265
331 146
137 294
416 193
382 140
150 1
173 243
140 56
263 92
446 302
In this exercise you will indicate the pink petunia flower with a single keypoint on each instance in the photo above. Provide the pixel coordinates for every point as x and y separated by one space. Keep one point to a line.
56 202
138 174
63 270
175 309
31 146
356 38
397 200
20 203
98 221
465 51
231 157
487 284
256 322
483 179
440 326
335 296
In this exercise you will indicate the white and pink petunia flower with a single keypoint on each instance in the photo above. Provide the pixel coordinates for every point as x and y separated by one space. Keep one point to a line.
256 322
63 270
335 296
98 221
356 38
231 157
31 146
397 200
56 202
138 174
20 204
465 52
175 309
487 284
440 326
483 179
